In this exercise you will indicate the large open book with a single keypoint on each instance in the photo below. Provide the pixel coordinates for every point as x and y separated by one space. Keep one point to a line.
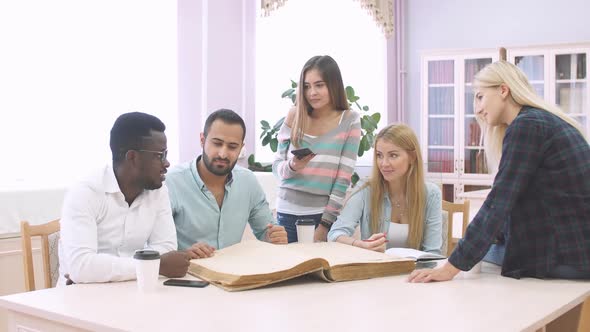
414 254
254 264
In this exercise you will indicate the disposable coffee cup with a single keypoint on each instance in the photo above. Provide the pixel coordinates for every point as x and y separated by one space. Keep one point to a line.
305 230
147 268
476 269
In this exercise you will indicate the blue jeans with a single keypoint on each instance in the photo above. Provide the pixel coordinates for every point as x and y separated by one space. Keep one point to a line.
288 221
496 254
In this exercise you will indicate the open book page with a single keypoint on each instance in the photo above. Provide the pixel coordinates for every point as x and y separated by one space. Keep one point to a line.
412 253
253 264
340 254
253 257
257 257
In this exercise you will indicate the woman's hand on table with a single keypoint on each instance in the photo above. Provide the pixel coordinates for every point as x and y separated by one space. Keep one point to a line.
444 273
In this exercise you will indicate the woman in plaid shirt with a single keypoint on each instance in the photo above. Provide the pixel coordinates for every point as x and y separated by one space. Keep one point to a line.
536 218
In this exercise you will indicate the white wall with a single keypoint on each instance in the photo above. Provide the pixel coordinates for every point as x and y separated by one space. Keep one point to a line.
67 69
215 66
461 24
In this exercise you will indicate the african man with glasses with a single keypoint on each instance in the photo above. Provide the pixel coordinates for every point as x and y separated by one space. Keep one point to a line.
122 208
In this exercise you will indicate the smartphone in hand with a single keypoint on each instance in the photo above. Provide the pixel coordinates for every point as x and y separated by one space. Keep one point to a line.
301 153
186 283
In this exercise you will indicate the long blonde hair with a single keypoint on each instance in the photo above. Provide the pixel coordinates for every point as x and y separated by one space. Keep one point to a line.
330 72
522 92
403 137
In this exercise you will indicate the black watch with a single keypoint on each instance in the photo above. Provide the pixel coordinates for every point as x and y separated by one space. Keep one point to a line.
325 224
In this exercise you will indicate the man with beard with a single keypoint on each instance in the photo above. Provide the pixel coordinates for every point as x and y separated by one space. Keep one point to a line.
213 199
120 209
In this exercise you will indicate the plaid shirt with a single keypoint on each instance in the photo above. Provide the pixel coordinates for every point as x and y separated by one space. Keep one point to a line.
540 200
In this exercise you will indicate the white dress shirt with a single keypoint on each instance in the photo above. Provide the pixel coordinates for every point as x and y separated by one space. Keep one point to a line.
100 231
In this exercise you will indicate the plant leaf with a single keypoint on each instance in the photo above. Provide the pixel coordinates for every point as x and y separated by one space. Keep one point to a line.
371 124
365 108
371 139
251 159
278 125
349 93
273 144
287 93
364 143
265 124
293 98
266 140
293 84
376 118
354 179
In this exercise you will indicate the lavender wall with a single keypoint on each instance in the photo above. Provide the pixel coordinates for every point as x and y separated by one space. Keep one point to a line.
461 24
215 65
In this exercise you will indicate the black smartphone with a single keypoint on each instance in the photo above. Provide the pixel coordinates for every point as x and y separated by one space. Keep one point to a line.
186 283
300 153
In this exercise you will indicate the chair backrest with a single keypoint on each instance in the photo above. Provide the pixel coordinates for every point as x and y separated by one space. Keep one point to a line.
445 239
49 233
451 209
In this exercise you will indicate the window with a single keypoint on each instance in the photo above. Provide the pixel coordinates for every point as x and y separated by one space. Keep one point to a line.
301 29
69 68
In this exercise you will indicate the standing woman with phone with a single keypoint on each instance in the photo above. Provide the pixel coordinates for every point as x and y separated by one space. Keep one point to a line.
314 186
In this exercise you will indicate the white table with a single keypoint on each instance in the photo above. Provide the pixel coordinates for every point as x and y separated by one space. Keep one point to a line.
481 302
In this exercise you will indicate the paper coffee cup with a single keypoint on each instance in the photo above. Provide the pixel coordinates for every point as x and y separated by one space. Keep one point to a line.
147 268
305 230
476 269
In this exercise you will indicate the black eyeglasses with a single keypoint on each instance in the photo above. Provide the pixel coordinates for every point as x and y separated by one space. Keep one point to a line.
161 154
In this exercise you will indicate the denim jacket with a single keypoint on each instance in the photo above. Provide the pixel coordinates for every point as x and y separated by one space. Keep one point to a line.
357 210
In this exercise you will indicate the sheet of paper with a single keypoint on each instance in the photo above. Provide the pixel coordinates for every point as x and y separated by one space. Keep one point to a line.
411 253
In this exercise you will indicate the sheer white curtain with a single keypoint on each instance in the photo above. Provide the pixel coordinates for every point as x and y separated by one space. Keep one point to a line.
68 69
382 11
301 29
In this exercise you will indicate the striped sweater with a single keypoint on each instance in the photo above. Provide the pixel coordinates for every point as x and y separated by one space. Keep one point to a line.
322 184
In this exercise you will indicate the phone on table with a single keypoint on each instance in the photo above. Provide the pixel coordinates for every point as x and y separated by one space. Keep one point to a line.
301 153
186 283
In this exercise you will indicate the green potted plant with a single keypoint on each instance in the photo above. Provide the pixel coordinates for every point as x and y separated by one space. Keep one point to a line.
369 123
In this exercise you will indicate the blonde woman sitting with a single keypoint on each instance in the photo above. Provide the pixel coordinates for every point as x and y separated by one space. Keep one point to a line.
395 208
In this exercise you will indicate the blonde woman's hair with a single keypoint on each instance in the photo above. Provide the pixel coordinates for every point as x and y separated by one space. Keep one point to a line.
403 137
330 72
522 92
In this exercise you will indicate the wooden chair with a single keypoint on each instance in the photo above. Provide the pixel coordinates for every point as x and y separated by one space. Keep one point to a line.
49 233
585 317
451 209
